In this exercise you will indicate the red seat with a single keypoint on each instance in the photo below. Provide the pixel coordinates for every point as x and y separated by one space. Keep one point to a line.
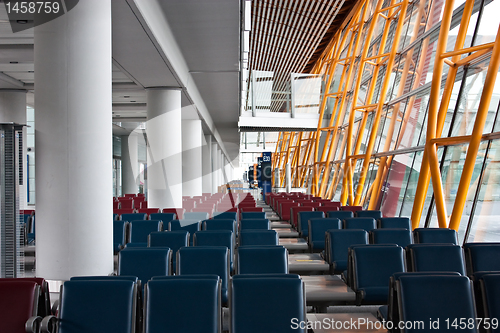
351 208
245 209
294 213
116 204
327 209
144 204
122 211
127 204
311 204
332 204
129 195
179 211
44 294
149 210
286 209
17 304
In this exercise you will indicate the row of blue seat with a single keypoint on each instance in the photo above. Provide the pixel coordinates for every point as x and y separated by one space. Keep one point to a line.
319 227
138 231
111 305
144 263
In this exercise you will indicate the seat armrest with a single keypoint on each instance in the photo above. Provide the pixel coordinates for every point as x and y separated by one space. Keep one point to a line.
33 324
49 324
55 307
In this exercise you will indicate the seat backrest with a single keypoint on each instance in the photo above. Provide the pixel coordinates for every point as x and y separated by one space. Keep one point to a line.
338 243
351 208
261 260
326 209
133 217
19 302
179 212
164 217
253 215
119 234
395 222
171 301
149 211
258 237
436 257
196 216
171 239
365 223
294 214
303 221
437 297
401 237
490 291
375 214
140 230
341 215
206 260
482 257
185 224
144 262
285 209
113 300
225 215
254 299
220 224
127 204
252 209
317 232
435 235
373 265
255 224
217 238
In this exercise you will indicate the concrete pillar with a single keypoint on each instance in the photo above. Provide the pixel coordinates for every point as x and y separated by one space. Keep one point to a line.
192 141
13 109
74 190
207 164
130 164
215 167
164 149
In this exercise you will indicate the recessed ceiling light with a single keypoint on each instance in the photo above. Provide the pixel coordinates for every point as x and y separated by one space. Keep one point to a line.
22 21
14 62
126 96
132 101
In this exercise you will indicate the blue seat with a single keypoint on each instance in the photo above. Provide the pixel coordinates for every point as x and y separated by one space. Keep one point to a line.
88 306
426 297
172 303
171 239
220 224
217 238
267 304
395 222
341 214
246 224
225 216
134 217
401 237
390 312
374 214
144 262
435 235
253 215
482 257
303 221
206 260
436 258
317 232
258 237
490 291
119 235
200 216
365 223
338 243
185 224
164 217
262 260
373 265
140 230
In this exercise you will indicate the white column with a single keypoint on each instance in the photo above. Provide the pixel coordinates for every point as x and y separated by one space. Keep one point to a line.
13 109
207 164
130 163
192 141
215 167
74 228
163 130
222 167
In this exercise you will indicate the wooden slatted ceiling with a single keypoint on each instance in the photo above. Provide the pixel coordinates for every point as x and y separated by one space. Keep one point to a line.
286 34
